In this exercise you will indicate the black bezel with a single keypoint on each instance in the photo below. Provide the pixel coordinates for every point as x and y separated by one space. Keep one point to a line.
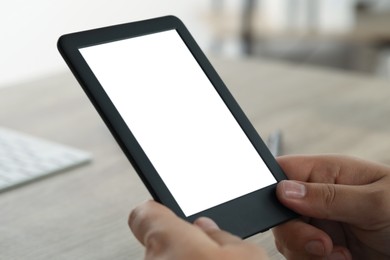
243 216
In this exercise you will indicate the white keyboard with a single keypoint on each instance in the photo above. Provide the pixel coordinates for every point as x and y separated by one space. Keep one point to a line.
25 158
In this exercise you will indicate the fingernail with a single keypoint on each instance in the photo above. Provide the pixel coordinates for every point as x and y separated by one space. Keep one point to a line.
315 248
293 189
336 256
206 224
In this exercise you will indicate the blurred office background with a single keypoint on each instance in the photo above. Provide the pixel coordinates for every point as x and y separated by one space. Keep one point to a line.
351 35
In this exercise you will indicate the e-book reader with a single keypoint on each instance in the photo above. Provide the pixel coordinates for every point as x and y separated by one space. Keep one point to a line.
177 123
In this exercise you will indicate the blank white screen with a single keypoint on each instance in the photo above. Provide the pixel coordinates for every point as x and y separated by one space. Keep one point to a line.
186 130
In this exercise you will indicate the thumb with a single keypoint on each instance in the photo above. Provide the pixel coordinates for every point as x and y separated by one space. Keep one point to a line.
213 231
345 203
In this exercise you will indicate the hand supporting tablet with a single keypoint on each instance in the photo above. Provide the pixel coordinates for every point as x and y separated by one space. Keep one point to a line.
177 123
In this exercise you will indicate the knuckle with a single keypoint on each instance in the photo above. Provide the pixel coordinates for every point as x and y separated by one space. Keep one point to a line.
329 195
326 173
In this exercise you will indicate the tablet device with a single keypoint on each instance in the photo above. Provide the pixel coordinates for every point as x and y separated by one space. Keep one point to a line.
178 124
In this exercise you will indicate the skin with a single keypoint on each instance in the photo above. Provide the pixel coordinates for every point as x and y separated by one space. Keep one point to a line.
165 236
345 201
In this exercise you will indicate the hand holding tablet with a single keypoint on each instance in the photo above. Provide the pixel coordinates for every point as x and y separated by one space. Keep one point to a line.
177 123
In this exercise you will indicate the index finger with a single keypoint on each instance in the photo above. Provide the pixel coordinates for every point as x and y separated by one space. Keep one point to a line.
331 169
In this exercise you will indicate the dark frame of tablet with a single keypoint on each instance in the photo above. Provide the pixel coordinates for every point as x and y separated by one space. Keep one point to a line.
243 216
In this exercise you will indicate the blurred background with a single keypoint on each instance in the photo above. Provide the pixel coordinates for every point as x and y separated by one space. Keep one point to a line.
352 35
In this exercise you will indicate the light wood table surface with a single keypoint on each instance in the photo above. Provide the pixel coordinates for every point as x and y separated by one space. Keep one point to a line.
82 214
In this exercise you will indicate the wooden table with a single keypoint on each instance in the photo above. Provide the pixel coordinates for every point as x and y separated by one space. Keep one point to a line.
82 214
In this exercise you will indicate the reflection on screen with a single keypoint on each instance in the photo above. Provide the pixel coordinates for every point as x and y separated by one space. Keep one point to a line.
195 144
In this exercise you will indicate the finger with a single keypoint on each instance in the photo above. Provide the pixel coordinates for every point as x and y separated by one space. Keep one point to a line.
345 203
213 231
331 169
309 242
306 239
233 246
143 218
206 224
165 236
158 228
340 252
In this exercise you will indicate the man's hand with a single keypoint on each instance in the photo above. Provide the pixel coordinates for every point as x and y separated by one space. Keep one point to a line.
346 204
165 236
